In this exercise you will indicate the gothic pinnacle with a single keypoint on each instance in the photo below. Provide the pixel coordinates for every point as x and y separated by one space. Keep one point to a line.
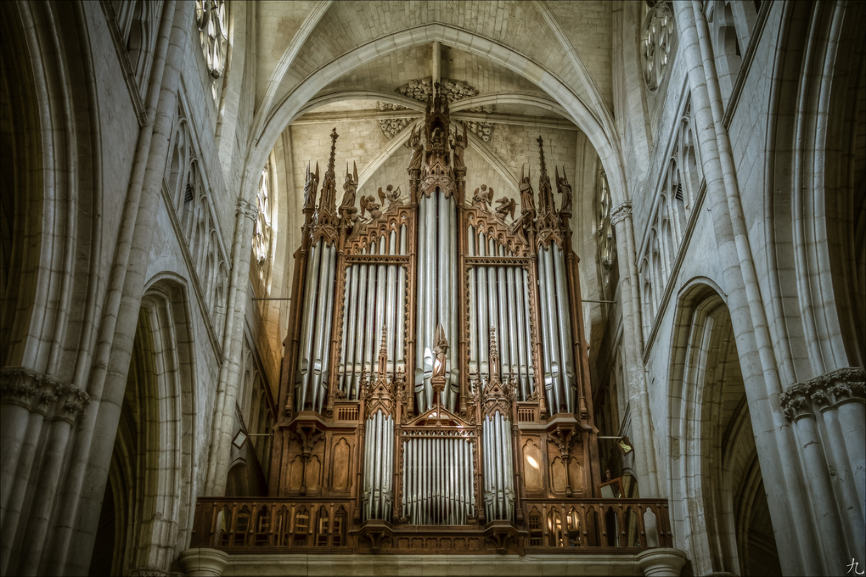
334 137
541 155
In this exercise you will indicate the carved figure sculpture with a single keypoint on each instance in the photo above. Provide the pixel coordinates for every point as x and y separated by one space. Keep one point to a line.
506 207
483 195
564 189
459 145
311 183
414 143
347 207
368 204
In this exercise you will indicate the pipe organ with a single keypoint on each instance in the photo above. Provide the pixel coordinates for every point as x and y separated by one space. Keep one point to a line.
435 371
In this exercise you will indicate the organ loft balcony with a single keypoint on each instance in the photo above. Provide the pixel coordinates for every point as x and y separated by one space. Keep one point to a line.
435 396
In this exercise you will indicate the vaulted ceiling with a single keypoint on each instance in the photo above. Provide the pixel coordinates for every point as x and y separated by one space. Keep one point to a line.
516 70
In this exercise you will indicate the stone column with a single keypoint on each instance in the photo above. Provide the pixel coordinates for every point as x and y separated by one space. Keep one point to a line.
645 458
780 464
203 562
76 517
229 375
661 562
829 419
38 412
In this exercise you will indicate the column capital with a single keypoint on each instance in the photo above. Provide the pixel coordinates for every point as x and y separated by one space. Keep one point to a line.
824 392
661 562
620 213
41 393
247 209
203 562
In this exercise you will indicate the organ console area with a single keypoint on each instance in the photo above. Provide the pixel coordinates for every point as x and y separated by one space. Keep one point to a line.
435 393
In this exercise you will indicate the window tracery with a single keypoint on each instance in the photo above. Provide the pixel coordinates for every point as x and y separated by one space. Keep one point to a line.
211 17
606 255
263 230
656 42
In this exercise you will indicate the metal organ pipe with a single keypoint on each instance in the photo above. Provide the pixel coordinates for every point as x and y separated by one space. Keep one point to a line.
349 333
453 320
525 326
321 303
502 330
369 340
547 354
563 317
430 308
309 324
360 314
341 370
324 376
390 303
420 316
401 303
443 272
483 328
473 310
550 322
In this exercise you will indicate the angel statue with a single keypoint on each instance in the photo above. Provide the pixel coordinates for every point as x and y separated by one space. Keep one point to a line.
347 207
390 194
506 207
369 204
414 143
483 195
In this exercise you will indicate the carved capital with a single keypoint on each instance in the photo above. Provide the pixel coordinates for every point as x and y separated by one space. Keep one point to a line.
72 401
40 393
247 209
18 386
620 213
824 392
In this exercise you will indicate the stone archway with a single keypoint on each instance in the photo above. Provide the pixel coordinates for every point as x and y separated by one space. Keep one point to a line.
148 503
719 508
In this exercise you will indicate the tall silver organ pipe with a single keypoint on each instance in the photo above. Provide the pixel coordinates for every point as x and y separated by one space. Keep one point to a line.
498 467
498 298
436 300
378 466
313 376
376 298
556 328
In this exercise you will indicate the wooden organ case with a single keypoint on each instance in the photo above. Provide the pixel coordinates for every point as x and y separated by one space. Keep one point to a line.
435 393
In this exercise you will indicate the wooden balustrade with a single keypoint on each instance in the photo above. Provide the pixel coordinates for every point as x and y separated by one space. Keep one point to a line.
298 524
254 524
596 523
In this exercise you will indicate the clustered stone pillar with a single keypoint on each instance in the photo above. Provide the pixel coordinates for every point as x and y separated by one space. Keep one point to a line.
828 414
229 376
645 461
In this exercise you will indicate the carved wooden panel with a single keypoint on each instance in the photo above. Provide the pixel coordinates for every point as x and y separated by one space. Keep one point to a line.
314 475
341 465
533 462
576 475
557 472
296 473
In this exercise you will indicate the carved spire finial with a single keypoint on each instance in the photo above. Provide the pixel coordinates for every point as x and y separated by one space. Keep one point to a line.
541 156
334 137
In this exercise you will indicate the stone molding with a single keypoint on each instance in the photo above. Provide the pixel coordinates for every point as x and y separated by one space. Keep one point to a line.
824 392
41 393
661 561
203 562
